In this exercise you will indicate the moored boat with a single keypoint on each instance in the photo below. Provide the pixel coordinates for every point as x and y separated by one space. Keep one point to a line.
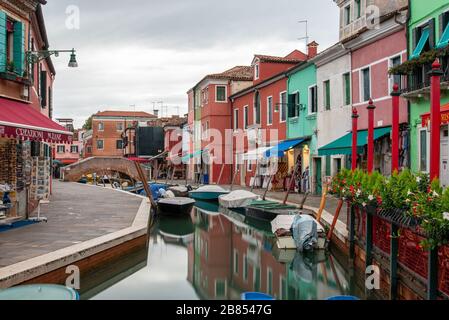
237 199
208 193
39 292
175 206
180 191
269 210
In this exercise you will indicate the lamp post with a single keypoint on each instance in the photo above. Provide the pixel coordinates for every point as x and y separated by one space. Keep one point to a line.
435 119
371 107
355 117
395 129
36 56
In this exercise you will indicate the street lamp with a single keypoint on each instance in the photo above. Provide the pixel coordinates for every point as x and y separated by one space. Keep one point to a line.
36 56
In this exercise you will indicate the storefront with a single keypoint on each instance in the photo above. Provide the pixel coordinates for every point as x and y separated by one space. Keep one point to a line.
424 144
26 137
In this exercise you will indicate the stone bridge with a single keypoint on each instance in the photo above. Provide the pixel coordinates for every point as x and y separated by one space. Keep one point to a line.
99 165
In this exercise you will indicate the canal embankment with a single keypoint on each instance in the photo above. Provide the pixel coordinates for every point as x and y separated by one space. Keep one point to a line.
86 225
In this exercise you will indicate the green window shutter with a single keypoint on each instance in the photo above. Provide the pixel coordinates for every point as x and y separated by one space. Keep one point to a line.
328 95
43 88
2 41
348 89
19 47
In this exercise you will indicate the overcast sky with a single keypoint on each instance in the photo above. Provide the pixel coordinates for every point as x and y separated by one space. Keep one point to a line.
136 52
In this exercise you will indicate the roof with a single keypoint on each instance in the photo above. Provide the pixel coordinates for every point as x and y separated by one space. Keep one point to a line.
294 57
236 73
139 114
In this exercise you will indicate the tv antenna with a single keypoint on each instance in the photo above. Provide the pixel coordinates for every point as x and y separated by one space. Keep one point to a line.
307 31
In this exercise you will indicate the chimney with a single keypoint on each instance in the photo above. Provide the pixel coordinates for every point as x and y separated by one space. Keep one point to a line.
312 49
156 113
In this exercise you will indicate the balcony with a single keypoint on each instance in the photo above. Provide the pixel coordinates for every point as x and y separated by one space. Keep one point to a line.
12 76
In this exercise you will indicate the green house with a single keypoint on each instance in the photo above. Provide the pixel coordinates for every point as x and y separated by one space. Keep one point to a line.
428 29
302 124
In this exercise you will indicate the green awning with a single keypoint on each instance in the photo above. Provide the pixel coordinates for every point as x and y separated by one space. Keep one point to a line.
196 154
444 41
343 145
422 42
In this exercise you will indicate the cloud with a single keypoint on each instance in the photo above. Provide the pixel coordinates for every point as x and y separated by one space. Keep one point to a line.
137 52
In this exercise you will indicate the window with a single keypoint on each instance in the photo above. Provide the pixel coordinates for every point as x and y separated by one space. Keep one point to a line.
269 110
269 281
245 117
327 95
221 94
395 78
74 149
89 149
236 119
61 149
313 99
100 126
347 15
293 105
220 288
249 167
366 84
347 88
444 30
423 38
43 89
12 41
236 262
119 144
257 108
283 103
358 8
245 267
256 71
423 150
100 144
119 126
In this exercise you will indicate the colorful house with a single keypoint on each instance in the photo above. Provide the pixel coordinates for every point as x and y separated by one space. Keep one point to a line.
302 126
334 104
377 42
260 115
428 30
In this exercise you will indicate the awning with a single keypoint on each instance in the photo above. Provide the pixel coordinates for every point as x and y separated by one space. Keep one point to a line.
255 154
444 41
20 120
422 42
343 145
425 118
278 151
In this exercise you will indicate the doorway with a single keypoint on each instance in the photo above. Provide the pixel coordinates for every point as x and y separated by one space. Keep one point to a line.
318 176
444 162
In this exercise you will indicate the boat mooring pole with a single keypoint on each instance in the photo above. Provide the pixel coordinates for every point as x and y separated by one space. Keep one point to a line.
368 239
395 129
352 233
371 109
355 117
394 250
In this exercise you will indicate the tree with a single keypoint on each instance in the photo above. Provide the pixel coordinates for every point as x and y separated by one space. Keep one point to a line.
88 124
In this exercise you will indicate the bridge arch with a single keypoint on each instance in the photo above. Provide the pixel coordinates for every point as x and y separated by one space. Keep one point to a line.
100 165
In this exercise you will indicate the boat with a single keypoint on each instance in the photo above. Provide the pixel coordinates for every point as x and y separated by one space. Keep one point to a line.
256 296
269 210
39 292
238 199
208 193
180 191
342 298
175 206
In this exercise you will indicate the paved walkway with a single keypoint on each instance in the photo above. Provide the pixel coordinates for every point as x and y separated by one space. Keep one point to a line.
76 213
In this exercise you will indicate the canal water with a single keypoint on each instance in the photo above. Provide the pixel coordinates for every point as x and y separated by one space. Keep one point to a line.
216 254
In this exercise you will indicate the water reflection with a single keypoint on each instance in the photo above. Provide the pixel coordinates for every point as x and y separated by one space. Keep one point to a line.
219 255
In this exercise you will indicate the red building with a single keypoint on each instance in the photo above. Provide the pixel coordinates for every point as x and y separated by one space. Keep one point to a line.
260 111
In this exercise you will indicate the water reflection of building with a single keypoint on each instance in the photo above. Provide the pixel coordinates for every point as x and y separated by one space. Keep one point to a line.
229 257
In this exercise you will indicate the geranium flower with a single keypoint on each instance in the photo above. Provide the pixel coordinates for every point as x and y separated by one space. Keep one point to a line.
446 215
370 197
418 179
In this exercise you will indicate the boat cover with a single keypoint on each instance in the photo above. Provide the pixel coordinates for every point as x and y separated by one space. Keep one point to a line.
210 188
177 201
305 232
286 222
237 199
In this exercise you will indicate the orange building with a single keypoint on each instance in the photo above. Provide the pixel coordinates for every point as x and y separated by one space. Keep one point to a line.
108 127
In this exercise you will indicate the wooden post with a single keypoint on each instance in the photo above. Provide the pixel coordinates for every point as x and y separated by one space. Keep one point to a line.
369 238
221 173
255 175
394 250
432 280
352 232
323 202
292 180
334 221
268 186
233 177
145 184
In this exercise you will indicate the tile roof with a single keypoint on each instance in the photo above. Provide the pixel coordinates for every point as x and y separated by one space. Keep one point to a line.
265 58
139 114
236 73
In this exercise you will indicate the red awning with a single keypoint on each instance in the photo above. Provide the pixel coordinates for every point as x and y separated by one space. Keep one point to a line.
444 116
20 120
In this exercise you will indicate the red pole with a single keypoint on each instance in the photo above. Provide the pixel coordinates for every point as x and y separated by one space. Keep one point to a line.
435 119
395 129
371 108
355 118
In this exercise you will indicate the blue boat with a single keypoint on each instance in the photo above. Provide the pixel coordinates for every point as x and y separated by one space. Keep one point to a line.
256 296
208 193
342 298
39 292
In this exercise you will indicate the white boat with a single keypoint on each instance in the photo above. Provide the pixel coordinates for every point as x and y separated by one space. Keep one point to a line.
237 199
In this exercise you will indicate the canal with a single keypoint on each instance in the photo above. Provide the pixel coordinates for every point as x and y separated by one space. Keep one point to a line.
215 254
